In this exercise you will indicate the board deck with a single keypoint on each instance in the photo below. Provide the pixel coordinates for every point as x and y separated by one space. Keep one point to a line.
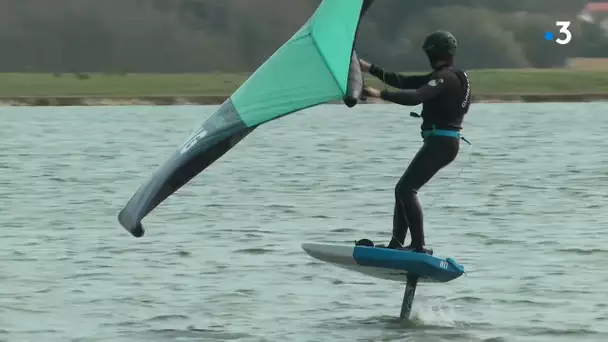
385 263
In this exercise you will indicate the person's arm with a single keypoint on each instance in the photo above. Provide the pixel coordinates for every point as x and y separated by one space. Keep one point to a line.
415 97
397 80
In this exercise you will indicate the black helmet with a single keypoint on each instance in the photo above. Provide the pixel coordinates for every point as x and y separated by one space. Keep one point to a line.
440 44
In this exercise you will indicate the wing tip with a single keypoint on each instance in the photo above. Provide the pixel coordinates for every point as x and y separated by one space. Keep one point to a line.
350 101
354 82
135 228
138 231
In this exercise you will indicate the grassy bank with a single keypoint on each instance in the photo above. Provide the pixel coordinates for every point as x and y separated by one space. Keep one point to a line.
70 89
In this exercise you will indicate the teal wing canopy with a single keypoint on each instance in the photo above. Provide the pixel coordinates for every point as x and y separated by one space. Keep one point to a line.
317 65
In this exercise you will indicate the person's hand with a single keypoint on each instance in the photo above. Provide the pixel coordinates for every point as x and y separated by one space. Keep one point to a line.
372 92
364 65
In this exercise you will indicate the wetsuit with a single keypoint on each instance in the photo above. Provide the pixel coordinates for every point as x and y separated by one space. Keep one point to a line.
445 97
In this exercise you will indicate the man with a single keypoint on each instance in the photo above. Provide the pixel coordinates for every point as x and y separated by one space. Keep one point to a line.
445 97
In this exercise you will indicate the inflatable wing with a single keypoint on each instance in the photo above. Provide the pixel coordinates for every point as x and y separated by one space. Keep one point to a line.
318 64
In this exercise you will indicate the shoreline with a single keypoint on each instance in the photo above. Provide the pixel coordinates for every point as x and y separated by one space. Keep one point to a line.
63 101
98 89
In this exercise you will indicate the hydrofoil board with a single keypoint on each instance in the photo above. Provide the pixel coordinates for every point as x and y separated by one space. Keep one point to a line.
390 264
385 263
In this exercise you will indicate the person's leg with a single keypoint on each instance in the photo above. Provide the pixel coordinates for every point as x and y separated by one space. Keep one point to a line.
435 154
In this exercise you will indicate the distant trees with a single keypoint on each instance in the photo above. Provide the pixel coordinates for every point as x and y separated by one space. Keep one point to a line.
236 35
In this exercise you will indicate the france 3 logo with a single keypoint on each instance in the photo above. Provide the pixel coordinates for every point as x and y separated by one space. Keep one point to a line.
564 35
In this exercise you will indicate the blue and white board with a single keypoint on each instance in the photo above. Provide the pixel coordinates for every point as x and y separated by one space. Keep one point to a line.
385 263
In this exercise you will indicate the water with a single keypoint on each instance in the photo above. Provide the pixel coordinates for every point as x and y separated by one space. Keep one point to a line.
222 260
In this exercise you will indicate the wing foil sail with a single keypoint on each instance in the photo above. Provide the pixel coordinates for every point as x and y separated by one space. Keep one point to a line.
317 65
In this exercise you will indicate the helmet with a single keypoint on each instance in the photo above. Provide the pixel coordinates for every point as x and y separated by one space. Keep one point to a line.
440 44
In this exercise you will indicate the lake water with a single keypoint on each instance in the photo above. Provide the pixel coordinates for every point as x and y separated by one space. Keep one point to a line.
527 217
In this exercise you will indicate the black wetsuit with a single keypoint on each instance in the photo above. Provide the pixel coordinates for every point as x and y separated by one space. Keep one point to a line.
445 98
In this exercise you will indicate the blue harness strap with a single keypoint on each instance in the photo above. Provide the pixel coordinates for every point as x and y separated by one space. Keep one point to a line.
443 133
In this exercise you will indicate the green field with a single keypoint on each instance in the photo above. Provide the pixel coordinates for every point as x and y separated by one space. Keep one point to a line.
484 83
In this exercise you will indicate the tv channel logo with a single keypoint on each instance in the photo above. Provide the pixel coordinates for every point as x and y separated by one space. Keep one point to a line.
564 37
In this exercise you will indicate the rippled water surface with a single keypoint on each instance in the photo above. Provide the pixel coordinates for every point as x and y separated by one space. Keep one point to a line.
222 261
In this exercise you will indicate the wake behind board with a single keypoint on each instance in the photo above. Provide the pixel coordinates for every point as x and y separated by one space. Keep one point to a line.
385 263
